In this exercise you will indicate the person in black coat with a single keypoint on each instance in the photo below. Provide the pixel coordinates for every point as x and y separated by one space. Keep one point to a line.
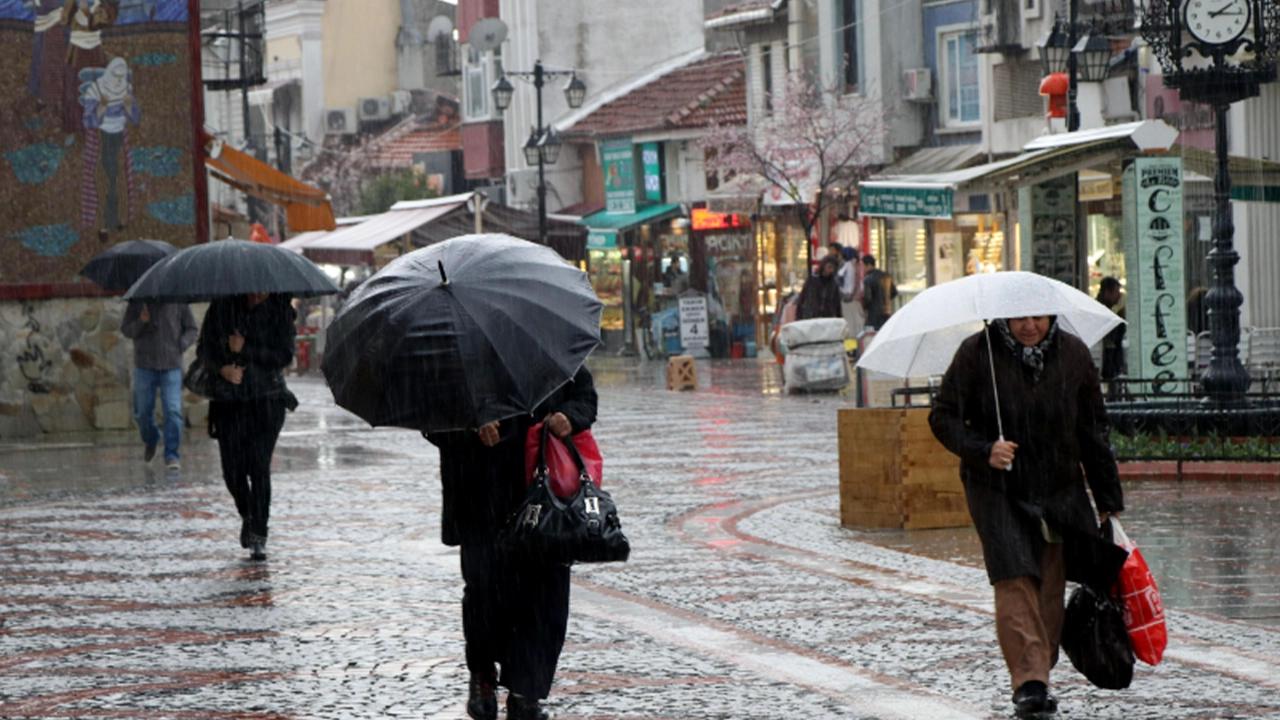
1026 491
515 608
820 296
245 344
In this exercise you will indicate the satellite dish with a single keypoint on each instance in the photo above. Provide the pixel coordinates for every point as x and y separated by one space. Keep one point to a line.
440 27
487 34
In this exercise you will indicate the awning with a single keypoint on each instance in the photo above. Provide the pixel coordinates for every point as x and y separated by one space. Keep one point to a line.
565 236
1046 158
355 245
306 207
1252 179
936 160
618 222
303 240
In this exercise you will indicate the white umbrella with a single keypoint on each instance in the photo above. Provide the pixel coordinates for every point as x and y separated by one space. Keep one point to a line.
920 339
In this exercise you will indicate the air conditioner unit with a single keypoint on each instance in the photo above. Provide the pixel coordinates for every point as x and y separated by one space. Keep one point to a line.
339 121
917 85
374 108
401 101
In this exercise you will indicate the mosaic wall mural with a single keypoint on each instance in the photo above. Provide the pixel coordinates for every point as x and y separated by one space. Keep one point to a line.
96 133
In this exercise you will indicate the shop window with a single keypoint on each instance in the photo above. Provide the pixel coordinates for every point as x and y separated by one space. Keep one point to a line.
847 51
959 72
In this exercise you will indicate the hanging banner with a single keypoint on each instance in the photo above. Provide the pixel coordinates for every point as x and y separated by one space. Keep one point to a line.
1157 312
915 202
650 159
618 163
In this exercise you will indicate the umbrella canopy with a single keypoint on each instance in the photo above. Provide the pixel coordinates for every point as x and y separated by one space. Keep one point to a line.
460 333
920 339
120 267
230 267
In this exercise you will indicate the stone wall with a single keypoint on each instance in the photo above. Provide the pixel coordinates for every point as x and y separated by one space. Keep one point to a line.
65 367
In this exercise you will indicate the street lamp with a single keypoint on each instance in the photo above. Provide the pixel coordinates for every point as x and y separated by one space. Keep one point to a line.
1217 54
1054 49
1093 55
543 146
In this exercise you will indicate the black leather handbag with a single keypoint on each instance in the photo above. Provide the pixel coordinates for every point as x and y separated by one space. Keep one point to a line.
584 528
198 379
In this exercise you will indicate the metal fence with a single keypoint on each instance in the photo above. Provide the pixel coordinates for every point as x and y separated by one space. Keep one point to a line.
1173 422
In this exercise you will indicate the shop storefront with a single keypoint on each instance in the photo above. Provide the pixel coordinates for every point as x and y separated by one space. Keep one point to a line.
636 261
724 267
924 234
781 263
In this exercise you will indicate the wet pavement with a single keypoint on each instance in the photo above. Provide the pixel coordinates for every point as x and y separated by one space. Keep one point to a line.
125 593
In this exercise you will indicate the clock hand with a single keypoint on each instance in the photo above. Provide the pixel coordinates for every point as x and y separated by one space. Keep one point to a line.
1220 11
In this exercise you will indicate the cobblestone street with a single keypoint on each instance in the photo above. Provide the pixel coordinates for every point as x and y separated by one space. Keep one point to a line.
126 595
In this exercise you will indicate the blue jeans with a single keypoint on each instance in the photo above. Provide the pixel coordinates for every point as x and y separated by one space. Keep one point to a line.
169 383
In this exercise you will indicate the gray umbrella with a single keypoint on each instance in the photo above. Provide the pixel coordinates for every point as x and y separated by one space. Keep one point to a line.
456 334
230 267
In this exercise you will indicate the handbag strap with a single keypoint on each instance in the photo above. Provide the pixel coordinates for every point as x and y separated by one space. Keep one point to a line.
568 443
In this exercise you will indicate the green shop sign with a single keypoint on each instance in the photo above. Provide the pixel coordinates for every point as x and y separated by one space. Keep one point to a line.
602 239
617 160
650 158
905 202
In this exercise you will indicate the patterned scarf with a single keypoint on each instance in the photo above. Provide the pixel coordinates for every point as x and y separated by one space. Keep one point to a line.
1032 357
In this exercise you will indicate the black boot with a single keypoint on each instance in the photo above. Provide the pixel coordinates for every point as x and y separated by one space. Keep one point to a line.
522 708
257 547
245 532
482 701
1033 701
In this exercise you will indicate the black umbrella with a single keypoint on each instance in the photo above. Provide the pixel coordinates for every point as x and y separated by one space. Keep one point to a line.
452 336
120 267
230 267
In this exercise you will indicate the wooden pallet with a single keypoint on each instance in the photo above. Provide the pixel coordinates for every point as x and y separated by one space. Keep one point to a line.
894 473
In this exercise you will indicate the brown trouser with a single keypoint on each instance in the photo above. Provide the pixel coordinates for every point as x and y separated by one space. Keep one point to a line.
1029 619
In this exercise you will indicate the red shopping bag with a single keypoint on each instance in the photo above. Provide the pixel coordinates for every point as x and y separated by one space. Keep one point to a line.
1143 611
562 471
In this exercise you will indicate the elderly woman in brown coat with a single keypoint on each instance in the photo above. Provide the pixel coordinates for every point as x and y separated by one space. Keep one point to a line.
1026 490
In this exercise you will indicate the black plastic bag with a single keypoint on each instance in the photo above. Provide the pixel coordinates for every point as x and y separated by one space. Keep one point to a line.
1096 640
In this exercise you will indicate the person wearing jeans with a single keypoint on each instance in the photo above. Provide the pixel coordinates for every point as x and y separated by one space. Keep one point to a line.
160 334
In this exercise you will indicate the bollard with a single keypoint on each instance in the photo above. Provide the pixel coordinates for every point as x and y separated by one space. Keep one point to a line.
682 374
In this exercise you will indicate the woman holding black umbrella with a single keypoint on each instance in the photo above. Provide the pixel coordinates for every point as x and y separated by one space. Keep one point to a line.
245 343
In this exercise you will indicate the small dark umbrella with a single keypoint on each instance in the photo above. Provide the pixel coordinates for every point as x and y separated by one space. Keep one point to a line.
230 267
460 333
120 267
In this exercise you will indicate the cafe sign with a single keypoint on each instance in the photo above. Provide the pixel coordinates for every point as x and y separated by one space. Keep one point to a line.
900 201
1156 287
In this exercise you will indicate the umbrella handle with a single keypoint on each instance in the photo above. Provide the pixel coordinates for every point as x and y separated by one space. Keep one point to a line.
1009 467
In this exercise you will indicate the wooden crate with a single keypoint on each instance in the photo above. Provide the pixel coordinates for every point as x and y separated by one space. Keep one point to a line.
894 473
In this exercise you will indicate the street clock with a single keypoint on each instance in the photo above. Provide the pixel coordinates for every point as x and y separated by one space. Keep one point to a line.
1216 22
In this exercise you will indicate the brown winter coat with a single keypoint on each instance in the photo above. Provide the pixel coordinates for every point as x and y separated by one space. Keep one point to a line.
1061 428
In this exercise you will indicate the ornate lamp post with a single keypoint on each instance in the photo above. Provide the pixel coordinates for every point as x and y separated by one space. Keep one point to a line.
1217 52
543 146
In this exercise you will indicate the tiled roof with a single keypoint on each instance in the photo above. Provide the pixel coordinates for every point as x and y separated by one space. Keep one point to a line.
708 91
397 148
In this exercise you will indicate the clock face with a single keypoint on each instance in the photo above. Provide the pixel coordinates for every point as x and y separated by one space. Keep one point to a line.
1216 21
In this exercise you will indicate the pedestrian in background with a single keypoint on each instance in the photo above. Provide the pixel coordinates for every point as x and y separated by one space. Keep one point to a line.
246 342
1026 493
820 296
161 333
850 277
878 293
1113 364
515 607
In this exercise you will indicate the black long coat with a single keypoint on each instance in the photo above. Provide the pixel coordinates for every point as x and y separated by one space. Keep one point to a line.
484 485
269 336
1061 428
